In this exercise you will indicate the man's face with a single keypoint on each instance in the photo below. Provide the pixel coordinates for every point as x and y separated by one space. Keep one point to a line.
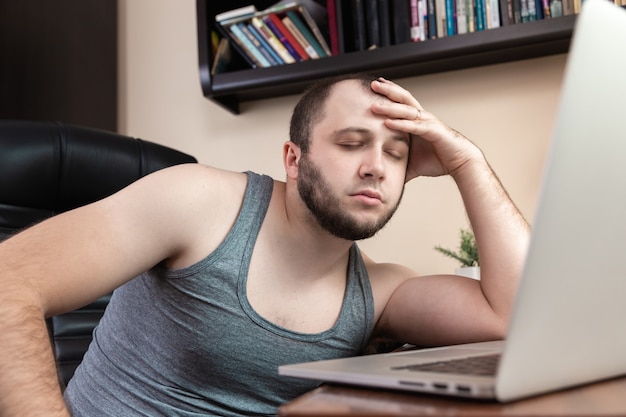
352 178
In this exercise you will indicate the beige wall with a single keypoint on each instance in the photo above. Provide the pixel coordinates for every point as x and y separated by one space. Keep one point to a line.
506 109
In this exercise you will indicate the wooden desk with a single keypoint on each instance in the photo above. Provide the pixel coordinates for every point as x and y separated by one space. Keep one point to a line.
600 399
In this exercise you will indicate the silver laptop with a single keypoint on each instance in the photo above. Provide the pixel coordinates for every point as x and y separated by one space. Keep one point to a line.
568 323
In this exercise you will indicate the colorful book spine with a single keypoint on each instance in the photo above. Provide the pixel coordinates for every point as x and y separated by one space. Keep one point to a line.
299 37
247 48
306 32
306 17
480 15
546 9
222 57
333 27
423 11
275 58
431 15
272 40
259 47
493 8
285 36
470 10
441 17
282 39
451 17
461 17
416 21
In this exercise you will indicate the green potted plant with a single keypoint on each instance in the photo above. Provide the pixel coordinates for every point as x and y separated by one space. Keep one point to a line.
467 254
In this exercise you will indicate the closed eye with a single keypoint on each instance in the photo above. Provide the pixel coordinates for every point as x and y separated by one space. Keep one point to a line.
351 144
399 155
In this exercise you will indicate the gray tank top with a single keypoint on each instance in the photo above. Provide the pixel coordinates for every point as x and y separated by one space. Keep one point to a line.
187 343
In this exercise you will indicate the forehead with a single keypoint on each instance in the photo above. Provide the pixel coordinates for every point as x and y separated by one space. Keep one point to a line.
352 96
348 106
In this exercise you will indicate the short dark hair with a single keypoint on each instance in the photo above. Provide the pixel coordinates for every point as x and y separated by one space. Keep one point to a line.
310 108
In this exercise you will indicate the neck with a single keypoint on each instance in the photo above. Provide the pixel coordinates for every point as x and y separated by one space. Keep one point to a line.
302 234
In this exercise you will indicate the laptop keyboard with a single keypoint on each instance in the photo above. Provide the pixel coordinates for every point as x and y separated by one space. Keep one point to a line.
476 365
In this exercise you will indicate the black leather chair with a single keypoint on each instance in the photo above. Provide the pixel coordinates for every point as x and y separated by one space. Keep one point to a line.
48 168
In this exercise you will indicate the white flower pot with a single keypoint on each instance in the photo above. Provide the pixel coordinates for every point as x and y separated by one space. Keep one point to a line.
469 271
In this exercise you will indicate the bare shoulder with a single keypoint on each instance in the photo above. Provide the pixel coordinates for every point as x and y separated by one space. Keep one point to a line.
186 189
199 203
204 178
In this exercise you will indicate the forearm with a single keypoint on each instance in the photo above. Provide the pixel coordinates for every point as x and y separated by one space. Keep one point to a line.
29 385
502 233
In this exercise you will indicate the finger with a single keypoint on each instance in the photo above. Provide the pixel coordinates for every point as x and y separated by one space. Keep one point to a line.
396 110
401 104
401 117
395 92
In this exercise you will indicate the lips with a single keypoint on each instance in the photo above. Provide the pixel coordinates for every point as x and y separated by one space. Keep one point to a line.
368 196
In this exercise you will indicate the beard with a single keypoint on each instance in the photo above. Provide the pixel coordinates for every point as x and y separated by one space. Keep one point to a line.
317 194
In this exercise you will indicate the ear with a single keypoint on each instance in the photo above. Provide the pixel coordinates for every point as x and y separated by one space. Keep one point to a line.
291 157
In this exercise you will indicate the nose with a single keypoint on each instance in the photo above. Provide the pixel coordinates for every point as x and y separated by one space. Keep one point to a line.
372 164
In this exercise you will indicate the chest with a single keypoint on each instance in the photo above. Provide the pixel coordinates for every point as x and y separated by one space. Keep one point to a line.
290 299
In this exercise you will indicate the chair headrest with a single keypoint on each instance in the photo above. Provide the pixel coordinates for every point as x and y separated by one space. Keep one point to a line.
48 168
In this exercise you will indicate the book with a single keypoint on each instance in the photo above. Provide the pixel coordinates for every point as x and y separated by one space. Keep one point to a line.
441 18
431 18
528 10
480 14
359 35
532 10
372 27
222 57
568 7
308 35
314 28
282 33
257 44
272 40
415 20
451 18
384 22
556 8
283 39
540 10
493 13
236 13
270 53
423 12
353 25
400 16
545 4
506 12
517 11
270 36
299 37
461 17
249 49
334 27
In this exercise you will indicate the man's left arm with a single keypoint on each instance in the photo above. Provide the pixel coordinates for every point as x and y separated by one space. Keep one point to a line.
449 309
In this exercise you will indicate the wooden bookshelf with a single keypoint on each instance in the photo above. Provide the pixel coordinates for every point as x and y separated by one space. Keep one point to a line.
505 44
